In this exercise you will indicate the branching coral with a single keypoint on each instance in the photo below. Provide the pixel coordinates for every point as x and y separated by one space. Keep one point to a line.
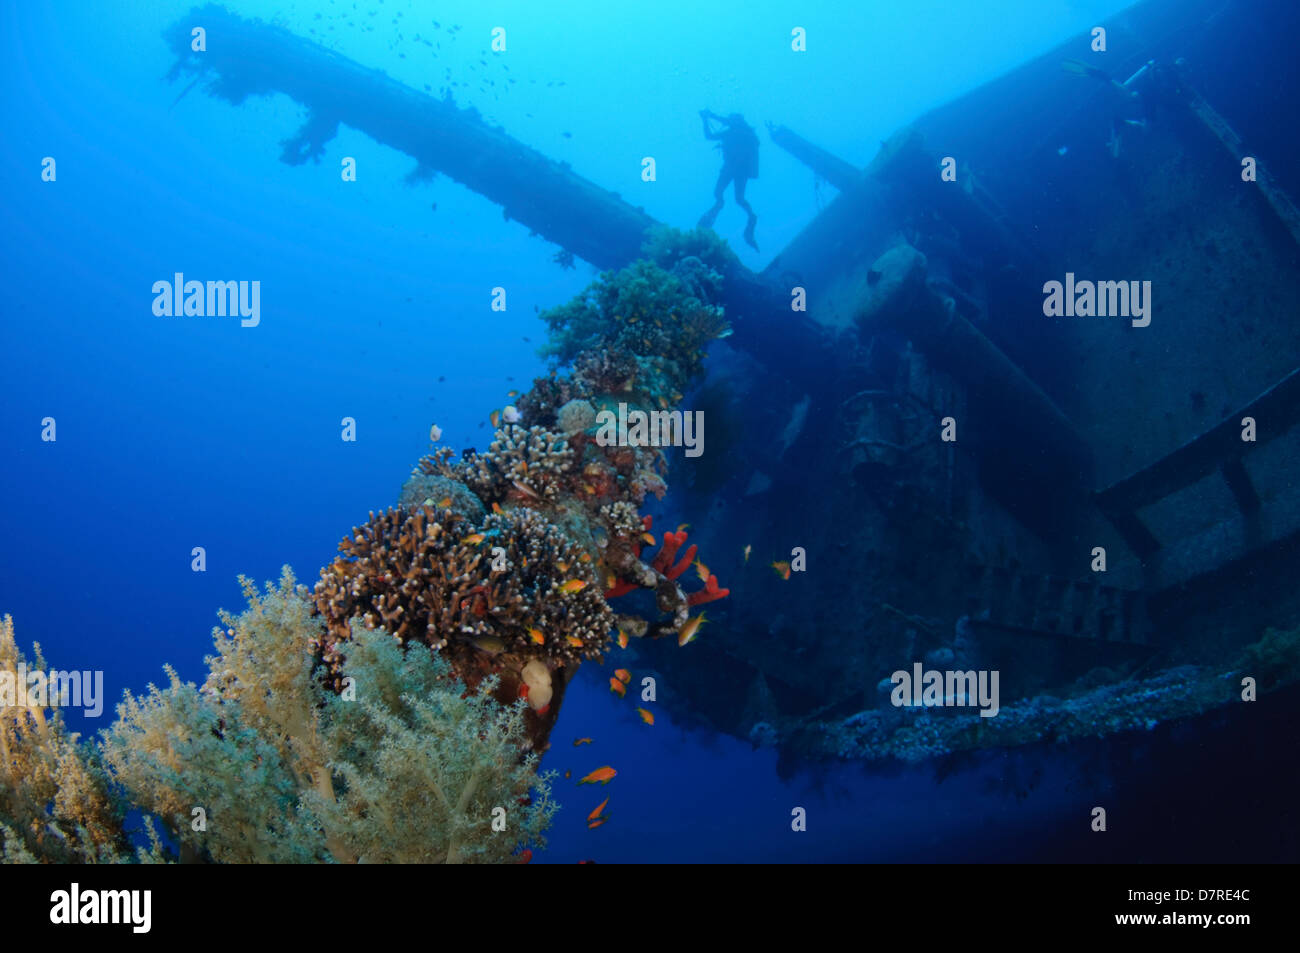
526 465
516 584
263 763
490 599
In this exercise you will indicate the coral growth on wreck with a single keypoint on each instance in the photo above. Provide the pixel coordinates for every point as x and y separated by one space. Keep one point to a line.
393 712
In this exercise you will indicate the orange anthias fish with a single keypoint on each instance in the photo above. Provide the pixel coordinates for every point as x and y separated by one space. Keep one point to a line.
475 538
622 639
537 636
592 825
702 571
617 687
495 417
782 569
647 716
574 641
603 775
496 508
596 813
690 629
682 527
623 675
573 585
444 503
581 741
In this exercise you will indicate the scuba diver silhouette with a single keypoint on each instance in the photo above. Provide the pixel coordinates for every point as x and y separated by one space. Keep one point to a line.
739 145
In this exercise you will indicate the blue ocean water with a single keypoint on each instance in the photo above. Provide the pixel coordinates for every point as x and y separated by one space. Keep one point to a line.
175 433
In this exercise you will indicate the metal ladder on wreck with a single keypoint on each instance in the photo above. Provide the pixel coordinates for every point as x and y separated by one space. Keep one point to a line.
1220 448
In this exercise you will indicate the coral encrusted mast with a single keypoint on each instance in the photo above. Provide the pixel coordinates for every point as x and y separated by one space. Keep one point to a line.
386 715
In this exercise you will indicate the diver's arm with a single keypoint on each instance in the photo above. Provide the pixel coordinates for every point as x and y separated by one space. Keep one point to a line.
705 116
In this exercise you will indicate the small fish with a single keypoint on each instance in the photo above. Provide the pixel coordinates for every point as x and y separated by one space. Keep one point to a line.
511 414
444 503
568 774
647 716
581 741
490 644
622 639
617 687
562 567
526 490
512 393
585 558
782 569
648 539
435 433
592 825
574 641
537 636
475 538
596 813
602 775
746 552
690 629
623 675
702 571
496 508
495 418
682 527
573 585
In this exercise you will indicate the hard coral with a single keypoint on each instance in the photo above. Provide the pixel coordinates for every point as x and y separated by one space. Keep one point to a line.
465 589
525 465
